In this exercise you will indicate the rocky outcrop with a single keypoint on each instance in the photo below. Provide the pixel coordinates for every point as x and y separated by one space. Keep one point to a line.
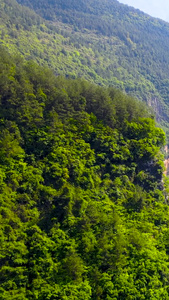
166 161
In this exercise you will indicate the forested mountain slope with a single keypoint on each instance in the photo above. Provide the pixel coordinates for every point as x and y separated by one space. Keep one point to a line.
83 208
136 50
103 41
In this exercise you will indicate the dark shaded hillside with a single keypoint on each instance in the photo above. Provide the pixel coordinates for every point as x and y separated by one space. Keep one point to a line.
83 208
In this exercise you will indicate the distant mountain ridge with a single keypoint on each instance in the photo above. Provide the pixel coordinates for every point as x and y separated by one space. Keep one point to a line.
105 42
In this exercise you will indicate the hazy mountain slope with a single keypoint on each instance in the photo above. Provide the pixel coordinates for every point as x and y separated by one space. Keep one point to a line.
24 32
103 41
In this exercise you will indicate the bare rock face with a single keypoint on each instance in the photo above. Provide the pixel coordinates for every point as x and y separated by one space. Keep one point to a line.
166 161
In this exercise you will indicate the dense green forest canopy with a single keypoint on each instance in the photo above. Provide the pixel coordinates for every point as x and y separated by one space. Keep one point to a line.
83 200
105 42
83 208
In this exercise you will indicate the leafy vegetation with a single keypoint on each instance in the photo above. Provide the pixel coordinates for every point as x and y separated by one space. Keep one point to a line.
83 207
105 42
